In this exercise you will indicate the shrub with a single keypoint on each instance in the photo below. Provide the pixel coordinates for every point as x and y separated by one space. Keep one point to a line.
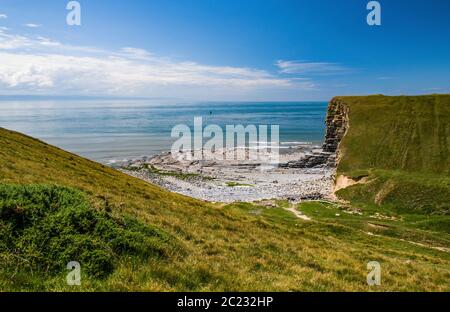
42 228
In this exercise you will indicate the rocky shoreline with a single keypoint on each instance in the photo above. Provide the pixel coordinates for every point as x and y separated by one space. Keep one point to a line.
303 173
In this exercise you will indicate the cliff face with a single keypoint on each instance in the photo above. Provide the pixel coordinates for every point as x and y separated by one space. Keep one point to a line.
336 127
409 133
392 151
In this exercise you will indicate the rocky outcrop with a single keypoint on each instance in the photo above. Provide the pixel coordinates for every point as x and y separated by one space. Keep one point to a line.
336 127
315 159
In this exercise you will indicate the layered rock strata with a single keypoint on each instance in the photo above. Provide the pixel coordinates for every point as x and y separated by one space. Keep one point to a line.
336 127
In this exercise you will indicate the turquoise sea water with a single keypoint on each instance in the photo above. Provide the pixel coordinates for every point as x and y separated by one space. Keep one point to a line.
115 130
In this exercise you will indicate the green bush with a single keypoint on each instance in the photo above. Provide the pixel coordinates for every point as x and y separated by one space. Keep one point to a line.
42 228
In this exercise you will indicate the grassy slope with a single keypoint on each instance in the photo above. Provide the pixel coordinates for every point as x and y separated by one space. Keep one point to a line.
225 247
42 228
403 144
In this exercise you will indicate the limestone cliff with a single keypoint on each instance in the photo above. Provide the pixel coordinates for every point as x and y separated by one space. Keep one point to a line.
337 124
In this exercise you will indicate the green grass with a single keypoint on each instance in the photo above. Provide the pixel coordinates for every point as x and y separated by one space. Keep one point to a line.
234 184
408 133
42 228
403 192
411 227
168 173
402 145
195 246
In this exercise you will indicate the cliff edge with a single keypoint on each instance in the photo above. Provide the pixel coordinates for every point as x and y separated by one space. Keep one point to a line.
392 151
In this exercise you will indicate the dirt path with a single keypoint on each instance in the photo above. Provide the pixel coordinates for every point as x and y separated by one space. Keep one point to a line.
411 242
297 213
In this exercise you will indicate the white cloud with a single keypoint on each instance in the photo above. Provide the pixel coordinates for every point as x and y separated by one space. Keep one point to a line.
3 16
47 42
300 67
39 65
31 25
11 41
122 76
136 53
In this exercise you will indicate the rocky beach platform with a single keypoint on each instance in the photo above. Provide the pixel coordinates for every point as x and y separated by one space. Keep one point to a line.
303 173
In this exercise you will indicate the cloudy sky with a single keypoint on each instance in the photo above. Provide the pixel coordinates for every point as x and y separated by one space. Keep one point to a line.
224 50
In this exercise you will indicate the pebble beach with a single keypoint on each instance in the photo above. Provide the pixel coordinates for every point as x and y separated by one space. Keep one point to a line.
237 181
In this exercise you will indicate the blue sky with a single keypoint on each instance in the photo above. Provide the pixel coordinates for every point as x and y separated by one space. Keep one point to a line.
224 50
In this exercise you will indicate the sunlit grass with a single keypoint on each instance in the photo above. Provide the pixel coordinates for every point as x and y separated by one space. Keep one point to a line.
402 145
240 247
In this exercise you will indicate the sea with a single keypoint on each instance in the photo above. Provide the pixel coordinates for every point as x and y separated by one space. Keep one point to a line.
117 130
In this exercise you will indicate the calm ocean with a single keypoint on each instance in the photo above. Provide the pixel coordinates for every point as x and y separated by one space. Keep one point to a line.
115 130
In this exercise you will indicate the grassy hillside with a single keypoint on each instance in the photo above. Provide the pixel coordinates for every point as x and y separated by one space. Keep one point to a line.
43 228
402 145
130 235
